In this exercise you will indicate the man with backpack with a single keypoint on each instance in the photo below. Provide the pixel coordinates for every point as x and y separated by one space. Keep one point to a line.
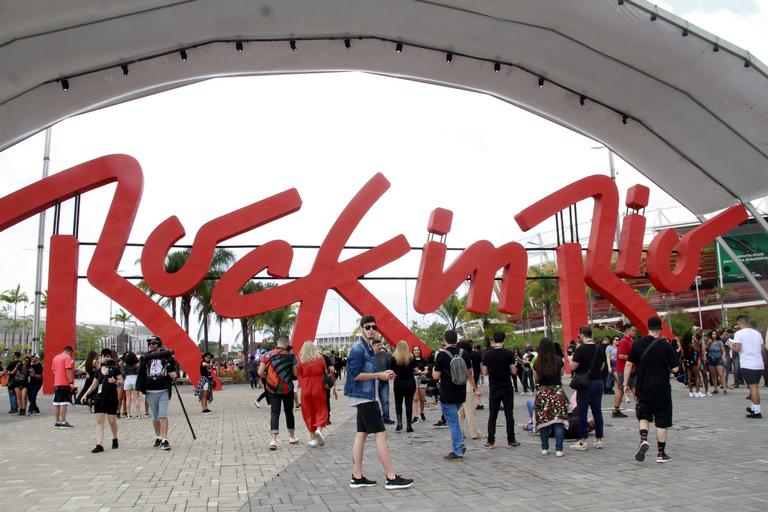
654 359
278 367
453 367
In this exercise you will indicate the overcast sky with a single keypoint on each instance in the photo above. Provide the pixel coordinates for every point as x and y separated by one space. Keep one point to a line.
216 146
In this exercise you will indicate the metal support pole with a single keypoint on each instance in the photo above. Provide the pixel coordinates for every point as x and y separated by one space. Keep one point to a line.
698 301
40 253
739 264
613 177
757 216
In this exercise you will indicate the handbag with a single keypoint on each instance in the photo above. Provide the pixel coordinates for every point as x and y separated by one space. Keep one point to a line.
580 381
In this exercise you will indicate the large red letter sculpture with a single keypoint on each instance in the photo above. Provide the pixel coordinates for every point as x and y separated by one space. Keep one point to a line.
327 273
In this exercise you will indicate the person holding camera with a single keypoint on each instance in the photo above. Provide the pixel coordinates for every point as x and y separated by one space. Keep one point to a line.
157 369
104 391
206 384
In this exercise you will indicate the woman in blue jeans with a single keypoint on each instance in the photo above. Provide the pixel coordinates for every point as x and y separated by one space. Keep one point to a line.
588 359
551 405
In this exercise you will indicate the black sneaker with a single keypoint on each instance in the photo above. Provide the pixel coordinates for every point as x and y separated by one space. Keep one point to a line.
389 422
165 445
13 411
640 455
65 424
98 449
115 444
479 407
158 442
356 483
207 411
663 458
398 483
415 419
754 415
57 425
618 414
453 456
423 418
440 424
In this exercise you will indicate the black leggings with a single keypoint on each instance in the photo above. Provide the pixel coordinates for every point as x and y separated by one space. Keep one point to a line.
514 381
404 390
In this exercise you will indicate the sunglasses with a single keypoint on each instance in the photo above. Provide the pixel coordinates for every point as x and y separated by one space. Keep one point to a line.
369 327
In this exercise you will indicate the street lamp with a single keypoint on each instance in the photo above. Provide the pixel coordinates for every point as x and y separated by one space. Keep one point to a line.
612 170
338 304
698 301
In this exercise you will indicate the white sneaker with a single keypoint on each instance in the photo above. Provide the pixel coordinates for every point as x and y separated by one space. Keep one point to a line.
699 395
545 452
628 400
256 403
579 446
691 395
599 444
293 440
274 445
559 454
708 393
312 443
320 437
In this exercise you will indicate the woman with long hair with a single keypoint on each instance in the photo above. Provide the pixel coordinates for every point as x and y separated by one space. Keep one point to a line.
519 366
313 407
89 367
105 402
700 344
551 404
20 377
421 379
404 366
691 364
715 361
130 372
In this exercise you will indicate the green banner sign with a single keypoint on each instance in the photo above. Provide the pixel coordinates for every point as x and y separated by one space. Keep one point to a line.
752 249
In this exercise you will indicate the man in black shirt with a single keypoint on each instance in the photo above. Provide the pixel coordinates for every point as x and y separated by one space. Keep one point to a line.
35 383
453 388
499 365
655 359
15 360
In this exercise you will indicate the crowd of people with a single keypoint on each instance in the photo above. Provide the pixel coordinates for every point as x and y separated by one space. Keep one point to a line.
451 376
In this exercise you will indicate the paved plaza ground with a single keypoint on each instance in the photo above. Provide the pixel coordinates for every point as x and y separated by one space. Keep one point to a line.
720 462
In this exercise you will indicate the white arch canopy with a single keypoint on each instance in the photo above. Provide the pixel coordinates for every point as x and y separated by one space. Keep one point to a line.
688 110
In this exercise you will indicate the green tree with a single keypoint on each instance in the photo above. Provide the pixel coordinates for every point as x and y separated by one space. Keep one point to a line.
88 338
13 297
543 292
278 322
173 263
123 317
248 323
431 335
222 259
452 312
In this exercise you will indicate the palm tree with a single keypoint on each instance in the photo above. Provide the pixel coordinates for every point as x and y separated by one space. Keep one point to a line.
123 317
452 311
14 296
173 263
222 259
278 322
247 323
543 290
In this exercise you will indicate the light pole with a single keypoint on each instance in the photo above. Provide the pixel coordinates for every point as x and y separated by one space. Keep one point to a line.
338 305
698 301
612 171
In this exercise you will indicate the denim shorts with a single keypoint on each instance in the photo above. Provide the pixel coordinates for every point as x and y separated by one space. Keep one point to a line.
158 403
715 361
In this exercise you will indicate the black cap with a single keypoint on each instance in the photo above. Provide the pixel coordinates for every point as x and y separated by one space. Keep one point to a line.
654 323
155 339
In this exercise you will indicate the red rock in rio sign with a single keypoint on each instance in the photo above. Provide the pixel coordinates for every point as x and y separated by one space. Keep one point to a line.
480 261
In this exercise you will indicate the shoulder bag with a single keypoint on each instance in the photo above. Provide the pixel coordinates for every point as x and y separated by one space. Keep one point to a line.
580 381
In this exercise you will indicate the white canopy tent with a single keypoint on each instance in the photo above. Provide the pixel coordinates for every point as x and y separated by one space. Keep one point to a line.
688 110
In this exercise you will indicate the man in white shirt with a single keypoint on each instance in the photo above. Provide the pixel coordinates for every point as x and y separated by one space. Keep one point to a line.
748 343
